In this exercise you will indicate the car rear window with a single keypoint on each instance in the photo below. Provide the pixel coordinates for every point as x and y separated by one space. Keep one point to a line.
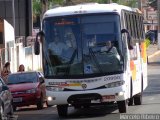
22 78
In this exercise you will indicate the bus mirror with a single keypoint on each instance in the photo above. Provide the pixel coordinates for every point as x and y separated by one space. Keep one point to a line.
130 47
37 44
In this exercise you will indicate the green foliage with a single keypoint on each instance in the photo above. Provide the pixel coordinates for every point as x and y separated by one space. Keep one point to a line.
36 7
51 3
130 3
148 42
37 3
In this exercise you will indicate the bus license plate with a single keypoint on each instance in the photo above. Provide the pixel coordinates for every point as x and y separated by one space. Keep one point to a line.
108 98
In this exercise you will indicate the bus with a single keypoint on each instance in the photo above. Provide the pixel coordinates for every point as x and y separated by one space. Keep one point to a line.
79 68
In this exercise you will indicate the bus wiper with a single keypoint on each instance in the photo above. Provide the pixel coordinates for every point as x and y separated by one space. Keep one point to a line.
95 59
71 61
66 68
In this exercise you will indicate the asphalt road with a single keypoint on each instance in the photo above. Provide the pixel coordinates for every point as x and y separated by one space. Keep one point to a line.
151 105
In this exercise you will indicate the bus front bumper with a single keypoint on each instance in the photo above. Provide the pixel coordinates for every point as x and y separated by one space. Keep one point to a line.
92 96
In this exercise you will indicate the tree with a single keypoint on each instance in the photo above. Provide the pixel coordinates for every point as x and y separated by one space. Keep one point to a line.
40 6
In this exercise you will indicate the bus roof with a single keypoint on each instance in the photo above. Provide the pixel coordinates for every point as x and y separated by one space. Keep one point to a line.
86 8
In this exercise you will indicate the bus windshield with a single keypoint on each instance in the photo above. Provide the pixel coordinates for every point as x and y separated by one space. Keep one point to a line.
82 45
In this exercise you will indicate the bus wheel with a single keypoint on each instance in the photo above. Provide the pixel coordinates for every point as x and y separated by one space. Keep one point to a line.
62 110
122 106
130 101
138 99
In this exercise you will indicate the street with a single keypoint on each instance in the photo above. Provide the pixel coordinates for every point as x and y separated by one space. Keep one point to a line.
79 52
150 105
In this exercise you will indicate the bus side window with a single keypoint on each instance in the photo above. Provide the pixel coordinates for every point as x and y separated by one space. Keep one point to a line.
133 53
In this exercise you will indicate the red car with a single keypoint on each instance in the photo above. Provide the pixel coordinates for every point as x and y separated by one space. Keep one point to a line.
27 88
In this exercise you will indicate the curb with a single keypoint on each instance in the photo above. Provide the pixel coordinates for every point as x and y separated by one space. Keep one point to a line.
154 54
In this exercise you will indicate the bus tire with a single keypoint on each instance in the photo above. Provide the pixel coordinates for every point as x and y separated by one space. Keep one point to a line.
130 101
62 110
122 106
138 99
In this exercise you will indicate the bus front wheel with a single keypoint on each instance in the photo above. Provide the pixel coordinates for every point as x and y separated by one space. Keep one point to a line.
122 106
62 110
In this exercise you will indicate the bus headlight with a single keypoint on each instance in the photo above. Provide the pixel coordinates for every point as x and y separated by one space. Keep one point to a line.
114 84
54 88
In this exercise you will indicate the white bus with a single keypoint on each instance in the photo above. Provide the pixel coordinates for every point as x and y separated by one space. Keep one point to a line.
79 68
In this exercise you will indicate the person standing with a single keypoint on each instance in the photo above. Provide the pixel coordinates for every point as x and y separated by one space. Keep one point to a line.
21 68
57 46
6 71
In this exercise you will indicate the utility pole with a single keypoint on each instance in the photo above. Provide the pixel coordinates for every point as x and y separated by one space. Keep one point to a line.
158 13
140 5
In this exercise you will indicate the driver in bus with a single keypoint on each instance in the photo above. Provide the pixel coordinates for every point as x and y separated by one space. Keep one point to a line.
70 38
109 48
57 46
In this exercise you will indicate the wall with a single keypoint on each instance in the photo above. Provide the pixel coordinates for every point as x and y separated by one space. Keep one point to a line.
23 15
26 56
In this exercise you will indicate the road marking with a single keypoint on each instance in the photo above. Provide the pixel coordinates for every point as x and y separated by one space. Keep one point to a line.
152 98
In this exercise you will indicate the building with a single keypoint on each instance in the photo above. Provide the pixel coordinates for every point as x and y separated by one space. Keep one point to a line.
150 16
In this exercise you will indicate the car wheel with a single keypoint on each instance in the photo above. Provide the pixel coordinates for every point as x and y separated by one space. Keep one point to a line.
40 103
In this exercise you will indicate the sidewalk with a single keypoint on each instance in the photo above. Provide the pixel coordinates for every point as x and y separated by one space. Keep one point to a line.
153 53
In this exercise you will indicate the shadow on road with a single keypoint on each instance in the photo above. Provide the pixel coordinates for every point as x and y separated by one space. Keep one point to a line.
95 111
153 63
151 103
